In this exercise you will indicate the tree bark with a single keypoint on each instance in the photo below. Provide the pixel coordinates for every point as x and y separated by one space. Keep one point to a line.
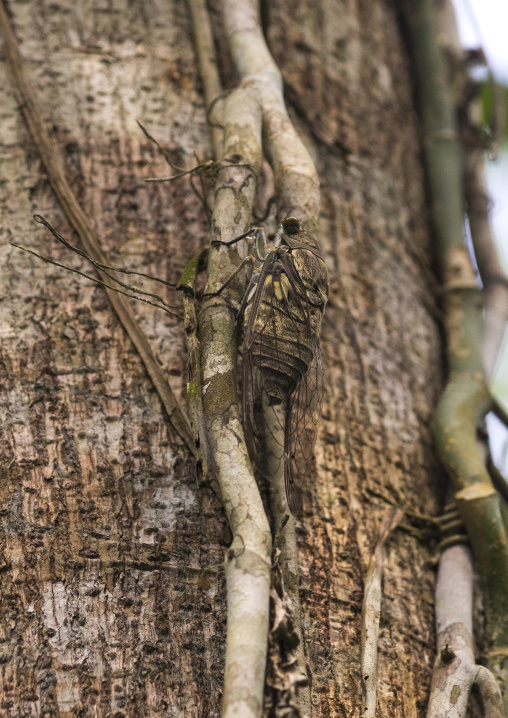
105 539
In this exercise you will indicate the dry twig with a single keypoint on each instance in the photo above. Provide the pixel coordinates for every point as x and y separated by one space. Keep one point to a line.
371 613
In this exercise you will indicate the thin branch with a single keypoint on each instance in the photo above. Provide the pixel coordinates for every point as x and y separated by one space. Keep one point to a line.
501 414
53 163
98 265
494 280
497 478
201 195
40 220
207 62
161 150
371 613
209 168
100 282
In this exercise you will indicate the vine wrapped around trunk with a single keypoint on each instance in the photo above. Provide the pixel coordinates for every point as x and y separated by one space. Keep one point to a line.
249 556
466 398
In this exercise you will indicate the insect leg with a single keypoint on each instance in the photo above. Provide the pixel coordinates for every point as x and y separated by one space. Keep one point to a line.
254 279
233 241
259 234
246 262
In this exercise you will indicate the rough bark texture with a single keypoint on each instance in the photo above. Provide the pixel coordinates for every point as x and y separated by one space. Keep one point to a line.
105 610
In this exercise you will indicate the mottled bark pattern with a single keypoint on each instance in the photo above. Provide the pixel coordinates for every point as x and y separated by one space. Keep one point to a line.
103 534
346 71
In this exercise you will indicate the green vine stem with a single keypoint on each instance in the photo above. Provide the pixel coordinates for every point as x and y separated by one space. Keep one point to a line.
248 559
187 286
494 280
466 397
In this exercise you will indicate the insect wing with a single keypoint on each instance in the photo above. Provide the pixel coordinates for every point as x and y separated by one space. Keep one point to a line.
251 379
303 410
281 357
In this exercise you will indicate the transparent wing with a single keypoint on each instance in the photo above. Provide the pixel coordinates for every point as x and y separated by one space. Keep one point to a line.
281 358
251 379
303 410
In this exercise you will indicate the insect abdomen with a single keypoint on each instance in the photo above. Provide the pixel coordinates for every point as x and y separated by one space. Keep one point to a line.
281 353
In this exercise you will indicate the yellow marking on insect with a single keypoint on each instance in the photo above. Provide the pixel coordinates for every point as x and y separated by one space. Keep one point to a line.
285 283
281 287
278 290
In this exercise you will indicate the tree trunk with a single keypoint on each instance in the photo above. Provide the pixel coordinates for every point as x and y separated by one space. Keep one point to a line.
107 606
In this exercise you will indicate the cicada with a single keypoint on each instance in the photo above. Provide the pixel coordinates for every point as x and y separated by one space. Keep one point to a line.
281 358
